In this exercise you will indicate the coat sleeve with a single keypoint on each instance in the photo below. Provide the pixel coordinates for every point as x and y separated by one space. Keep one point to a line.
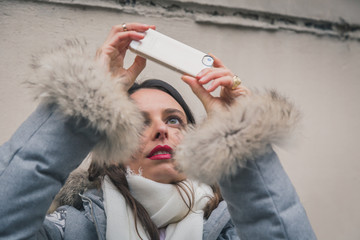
35 163
234 148
82 109
263 203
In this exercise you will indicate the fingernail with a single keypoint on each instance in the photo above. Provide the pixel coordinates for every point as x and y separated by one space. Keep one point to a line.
200 73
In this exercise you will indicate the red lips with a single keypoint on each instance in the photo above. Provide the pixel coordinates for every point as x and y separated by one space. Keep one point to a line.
160 153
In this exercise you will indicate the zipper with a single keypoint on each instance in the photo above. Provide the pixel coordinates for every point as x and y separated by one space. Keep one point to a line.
86 199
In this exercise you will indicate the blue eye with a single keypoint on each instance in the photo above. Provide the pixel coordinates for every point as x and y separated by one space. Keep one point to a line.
173 121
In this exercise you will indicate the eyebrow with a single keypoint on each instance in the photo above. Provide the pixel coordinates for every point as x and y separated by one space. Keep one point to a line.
173 110
146 115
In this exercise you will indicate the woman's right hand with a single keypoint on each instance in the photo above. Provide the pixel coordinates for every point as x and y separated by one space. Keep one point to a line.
112 53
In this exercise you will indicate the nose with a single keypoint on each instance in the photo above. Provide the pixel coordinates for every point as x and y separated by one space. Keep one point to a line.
160 131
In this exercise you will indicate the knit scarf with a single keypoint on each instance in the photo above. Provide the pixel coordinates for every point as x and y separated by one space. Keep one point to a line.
164 204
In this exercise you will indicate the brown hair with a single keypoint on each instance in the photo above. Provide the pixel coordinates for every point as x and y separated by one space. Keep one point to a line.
117 174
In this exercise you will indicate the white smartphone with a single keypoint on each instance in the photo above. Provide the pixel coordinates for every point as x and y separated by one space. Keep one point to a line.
171 53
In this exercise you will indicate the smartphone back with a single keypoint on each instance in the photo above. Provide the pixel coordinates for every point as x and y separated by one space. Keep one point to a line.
171 53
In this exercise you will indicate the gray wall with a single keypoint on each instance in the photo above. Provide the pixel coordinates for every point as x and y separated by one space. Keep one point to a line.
308 50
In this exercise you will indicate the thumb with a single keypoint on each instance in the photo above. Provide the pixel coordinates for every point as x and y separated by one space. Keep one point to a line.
204 96
135 69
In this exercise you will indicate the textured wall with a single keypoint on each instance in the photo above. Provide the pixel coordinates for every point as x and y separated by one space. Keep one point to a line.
315 62
330 10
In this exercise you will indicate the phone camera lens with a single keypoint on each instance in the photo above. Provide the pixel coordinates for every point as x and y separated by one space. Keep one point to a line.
208 61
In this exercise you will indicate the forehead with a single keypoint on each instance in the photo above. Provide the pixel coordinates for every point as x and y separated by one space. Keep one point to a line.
153 99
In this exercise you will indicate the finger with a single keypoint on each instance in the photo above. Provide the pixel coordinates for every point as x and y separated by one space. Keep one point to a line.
198 89
223 81
135 69
232 94
213 74
121 39
138 27
217 61
243 90
203 72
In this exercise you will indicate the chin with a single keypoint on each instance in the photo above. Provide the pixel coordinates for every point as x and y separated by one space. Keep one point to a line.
169 177
163 172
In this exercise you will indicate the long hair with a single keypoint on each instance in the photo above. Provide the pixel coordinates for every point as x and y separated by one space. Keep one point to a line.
117 173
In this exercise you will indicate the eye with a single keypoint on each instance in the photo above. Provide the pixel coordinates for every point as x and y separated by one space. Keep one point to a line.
174 121
147 122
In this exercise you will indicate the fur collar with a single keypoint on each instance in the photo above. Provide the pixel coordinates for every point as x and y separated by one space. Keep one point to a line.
76 184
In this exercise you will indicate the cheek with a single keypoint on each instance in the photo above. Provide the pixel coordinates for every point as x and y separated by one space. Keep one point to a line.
141 146
145 138
178 136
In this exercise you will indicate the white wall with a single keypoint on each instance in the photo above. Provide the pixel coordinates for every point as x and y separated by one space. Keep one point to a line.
319 73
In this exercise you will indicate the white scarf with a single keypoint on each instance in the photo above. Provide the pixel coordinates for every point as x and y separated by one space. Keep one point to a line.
164 205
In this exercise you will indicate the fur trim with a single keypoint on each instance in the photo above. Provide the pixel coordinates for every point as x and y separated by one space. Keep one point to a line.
83 90
77 183
229 138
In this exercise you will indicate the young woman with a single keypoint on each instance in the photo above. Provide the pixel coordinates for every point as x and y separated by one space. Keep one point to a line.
151 168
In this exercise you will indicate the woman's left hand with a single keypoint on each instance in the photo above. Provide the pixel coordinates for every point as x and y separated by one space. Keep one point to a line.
219 76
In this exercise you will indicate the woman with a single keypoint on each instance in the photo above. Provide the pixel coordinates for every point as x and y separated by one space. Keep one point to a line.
139 177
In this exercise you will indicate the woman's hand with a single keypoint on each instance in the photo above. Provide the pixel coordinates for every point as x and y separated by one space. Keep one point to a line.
112 53
219 76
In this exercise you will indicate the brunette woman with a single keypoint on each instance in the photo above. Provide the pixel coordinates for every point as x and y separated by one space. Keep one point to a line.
154 173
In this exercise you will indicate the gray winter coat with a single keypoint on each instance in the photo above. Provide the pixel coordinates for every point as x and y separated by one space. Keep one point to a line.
84 110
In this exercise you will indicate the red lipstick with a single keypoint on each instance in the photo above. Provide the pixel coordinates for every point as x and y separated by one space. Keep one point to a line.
160 153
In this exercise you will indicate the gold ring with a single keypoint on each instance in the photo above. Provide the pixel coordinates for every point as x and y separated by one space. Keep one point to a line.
236 82
124 27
